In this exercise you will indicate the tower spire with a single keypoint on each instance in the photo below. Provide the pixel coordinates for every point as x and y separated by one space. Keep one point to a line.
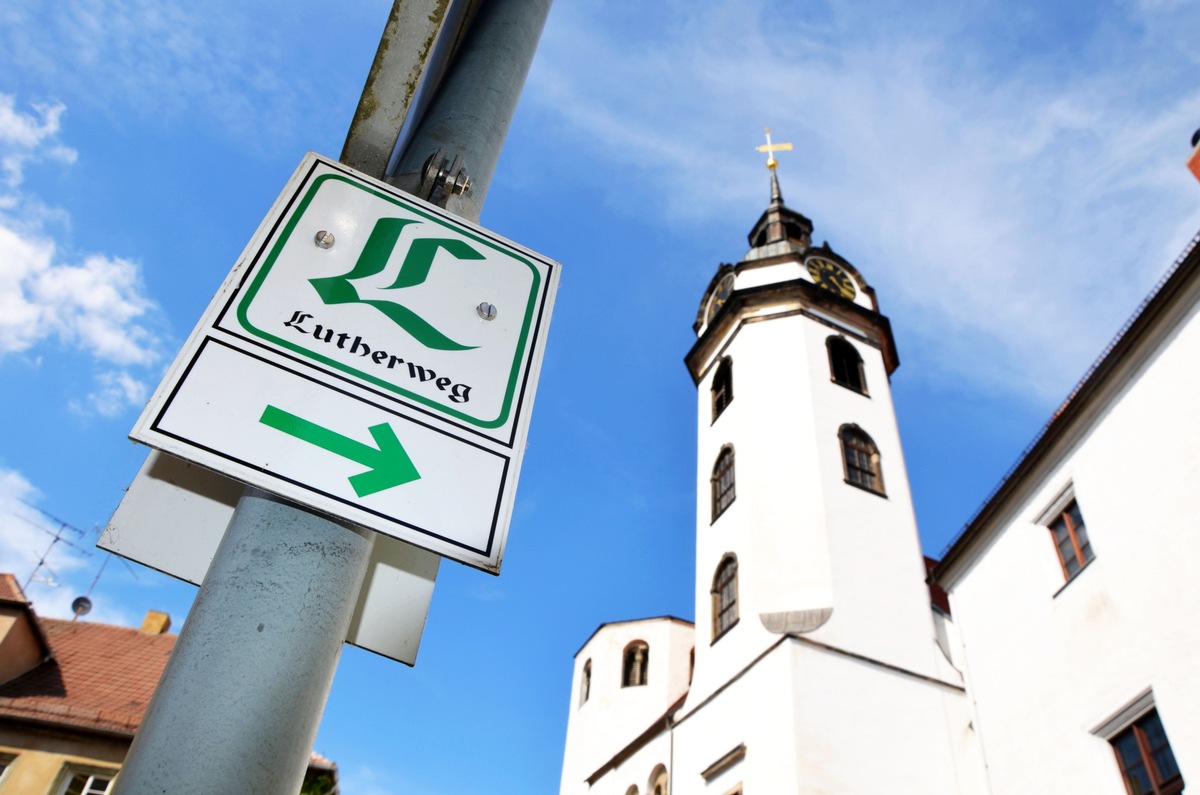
771 148
778 224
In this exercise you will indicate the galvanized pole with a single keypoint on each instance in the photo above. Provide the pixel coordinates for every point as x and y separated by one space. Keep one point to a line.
452 154
242 695
241 698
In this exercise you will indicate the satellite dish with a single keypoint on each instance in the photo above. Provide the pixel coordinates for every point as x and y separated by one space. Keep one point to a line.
81 606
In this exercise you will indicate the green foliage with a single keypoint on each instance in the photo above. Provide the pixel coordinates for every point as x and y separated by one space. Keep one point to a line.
318 783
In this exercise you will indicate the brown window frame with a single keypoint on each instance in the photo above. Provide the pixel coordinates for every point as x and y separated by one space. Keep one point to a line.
861 464
1070 520
724 489
722 387
585 683
1149 757
846 364
724 595
635 664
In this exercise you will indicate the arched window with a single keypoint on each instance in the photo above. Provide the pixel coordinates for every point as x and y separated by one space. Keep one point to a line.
860 457
724 597
845 365
637 659
658 781
723 491
722 387
585 683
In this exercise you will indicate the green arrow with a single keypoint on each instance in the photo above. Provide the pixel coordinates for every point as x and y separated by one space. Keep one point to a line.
389 463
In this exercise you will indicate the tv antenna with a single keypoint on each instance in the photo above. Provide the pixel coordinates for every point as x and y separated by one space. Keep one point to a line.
58 536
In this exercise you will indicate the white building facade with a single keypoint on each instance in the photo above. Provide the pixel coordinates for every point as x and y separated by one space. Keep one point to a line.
823 660
1075 588
815 661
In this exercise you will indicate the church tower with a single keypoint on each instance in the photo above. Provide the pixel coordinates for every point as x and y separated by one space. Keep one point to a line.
816 663
812 613
804 521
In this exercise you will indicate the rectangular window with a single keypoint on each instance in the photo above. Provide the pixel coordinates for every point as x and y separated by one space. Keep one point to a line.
80 783
1145 758
1070 539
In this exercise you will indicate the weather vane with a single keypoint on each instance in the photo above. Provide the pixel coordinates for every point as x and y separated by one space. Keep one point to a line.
771 149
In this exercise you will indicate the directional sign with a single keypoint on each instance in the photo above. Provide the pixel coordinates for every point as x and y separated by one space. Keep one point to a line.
369 356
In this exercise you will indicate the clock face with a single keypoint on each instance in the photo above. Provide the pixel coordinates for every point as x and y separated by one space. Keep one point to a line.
828 275
720 296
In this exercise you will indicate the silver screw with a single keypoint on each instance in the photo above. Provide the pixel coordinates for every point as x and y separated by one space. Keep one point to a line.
486 311
323 239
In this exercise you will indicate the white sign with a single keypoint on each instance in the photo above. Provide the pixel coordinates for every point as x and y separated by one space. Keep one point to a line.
393 602
372 357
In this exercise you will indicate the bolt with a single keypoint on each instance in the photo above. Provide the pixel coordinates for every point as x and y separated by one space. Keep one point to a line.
486 311
323 239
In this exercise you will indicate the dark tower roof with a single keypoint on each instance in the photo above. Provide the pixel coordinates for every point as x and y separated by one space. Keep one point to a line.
780 224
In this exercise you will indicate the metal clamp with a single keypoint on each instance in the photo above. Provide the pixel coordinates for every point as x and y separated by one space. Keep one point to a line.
442 177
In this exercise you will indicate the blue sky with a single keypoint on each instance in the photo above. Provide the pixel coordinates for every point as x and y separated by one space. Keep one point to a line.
1008 176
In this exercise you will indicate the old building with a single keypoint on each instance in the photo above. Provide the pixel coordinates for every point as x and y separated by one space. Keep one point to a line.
72 695
822 659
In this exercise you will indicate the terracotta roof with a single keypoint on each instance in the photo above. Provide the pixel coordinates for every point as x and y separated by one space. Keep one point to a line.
101 677
937 594
10 591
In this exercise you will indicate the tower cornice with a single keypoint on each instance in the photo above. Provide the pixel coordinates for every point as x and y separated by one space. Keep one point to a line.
784 299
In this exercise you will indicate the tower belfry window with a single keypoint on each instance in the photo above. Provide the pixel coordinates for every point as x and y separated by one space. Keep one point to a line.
723 491
636 663
845 364
860 458
722 387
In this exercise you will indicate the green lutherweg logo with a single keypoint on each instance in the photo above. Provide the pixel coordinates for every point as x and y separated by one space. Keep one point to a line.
413 271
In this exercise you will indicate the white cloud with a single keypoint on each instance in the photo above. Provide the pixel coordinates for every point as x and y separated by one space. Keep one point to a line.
1011 200
162 62
24 136
115 391
97 306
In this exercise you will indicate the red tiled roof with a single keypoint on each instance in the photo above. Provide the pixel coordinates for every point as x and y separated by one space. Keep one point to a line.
10 591
937 594
101 677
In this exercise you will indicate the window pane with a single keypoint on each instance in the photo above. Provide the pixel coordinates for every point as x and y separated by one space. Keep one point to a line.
723 483
1138 782
1164 760
1127 748
1076 516
1145 756
725 597
1160 748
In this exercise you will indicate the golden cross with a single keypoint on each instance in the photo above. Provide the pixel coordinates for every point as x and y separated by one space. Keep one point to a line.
771 149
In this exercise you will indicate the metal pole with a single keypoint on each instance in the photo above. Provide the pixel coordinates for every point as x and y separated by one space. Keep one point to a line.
242 695
461 134
241 698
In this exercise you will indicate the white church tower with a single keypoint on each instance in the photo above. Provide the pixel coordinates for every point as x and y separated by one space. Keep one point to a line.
818 664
